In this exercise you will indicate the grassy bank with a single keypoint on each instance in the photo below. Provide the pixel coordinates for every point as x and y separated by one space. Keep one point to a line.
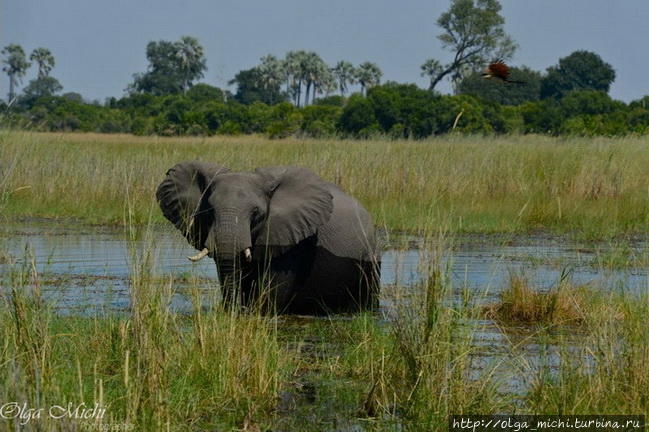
594 187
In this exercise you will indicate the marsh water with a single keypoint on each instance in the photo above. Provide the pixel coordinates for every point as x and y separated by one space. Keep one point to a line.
86 269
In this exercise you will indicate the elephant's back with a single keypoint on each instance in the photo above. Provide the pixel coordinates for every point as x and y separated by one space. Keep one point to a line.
344 275
349 233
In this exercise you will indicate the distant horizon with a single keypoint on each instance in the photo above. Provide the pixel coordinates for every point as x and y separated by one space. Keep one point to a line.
235 36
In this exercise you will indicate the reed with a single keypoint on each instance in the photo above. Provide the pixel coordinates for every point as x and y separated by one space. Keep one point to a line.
150 368
595 187
607 371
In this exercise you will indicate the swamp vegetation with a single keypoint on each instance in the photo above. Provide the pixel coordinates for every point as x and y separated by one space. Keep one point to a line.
568 348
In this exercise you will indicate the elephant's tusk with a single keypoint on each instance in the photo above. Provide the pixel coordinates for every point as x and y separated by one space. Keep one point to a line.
247 254
199 256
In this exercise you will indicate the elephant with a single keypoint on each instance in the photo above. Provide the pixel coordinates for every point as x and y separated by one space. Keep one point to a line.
283 239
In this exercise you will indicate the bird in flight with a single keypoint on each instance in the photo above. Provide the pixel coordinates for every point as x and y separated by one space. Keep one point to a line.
499 70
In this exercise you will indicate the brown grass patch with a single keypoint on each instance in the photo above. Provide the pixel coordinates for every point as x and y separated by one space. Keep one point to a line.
522 304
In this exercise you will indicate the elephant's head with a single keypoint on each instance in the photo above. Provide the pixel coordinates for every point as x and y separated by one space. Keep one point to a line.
237 216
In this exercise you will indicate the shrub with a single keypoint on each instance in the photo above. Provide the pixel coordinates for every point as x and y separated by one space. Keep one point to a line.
229 128
358 115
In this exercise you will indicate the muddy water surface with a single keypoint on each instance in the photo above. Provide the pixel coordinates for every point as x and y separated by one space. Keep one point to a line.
87 267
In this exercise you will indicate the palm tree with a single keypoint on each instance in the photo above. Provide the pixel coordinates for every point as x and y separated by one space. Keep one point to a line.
344 73
16 66
326 83
271 72
45 60
368 75
314 70
191 60
293 69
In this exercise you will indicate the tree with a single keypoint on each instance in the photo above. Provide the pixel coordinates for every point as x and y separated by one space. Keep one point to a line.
474 30
344 73
43 85
314 71
581 70
293 69
326 83
16 66
589 102
191 60
271 74
173 67
368 75
503 93
73 96
40 87
431 68
202 93
45 60
358 117
250 89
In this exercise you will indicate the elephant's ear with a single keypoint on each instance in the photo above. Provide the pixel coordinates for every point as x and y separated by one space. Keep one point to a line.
182 196
300 203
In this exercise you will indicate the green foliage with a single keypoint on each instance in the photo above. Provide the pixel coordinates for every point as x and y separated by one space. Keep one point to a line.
73 96
40 87
61 114
338 101
358 117
173 67
406 110
474 32
45 60
15 65
368 75
345 74
581 70
503 93
542 117
320 121
250 88
391 110
589 102
229 128
202 92
285 121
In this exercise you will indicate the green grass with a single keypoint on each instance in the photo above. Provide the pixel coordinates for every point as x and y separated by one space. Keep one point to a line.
215 369
151 369
594 188
607 372
221 370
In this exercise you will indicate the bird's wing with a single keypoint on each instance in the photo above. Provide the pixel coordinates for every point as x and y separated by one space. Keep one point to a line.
499 69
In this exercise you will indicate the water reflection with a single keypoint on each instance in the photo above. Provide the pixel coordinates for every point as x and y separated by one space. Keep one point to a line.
89 267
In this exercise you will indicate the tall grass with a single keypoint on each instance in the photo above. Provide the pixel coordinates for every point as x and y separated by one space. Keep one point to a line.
216 369
151 369
594 347
607 372
420 368
597 187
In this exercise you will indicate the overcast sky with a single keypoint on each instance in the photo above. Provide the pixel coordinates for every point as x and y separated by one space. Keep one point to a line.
99 44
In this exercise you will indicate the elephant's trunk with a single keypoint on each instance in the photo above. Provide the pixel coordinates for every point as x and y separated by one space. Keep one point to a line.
228 276
230 240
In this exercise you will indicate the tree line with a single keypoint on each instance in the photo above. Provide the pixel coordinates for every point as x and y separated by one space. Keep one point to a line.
300 94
